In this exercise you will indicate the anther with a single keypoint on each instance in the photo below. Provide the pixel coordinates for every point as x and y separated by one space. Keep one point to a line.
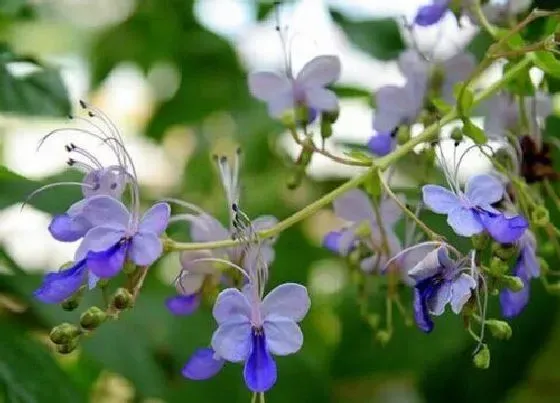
457 143
394 132
83 104
238 151
113 186
70 117
67 148
235 207
91 114
70 161
223 159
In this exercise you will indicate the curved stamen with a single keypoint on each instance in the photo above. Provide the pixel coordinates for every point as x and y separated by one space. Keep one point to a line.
81 151
185 204
82 166
52 185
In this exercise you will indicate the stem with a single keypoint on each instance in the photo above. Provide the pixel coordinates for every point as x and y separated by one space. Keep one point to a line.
477 9
380 164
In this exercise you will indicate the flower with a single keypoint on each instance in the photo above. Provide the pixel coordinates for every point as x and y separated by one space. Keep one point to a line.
439 281
382 143
61 285
471 212
354 206
284 93
526 268
251 331
431 14
203 364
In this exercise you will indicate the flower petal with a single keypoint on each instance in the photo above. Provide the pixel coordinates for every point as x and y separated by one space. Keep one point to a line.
203 364
283 335
321 99
354 206
512 303
504 229
430 14
266 86
439 199
156 219
482 190
289 300
319 71
464 222
232 339
99 239
205 228
457 68
331 241
461 291
145 248
58 286
440 297
421 314
66 228
104 210
280 105
92 280
260 368
183 304
264 222
528 259
231 302
428 266
107 263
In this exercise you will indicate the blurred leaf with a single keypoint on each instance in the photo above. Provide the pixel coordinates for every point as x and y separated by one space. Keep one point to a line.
352 92
12 8
521 84
480 44
473 131
29 374
38 93
379 38
547 62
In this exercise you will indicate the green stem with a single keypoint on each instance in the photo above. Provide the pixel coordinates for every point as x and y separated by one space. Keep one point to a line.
477 9
430 133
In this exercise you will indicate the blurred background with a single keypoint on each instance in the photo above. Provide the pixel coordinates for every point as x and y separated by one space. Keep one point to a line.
171 74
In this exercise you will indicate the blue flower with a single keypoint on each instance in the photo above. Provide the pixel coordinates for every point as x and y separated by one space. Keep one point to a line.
432 13
61 285
439 281
471 212
203 364
526 268
251 330
382 143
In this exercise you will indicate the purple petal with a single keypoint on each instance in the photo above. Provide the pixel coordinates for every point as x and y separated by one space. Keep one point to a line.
108 263
319 72
428 266
381 144
512 303
104 210
439 199
289 300
421 314
321 99
440 298
108 181
464 221
280 105
183 305
461 291
529 262
202 365
266 86
92 280
354 206
156 219
431 14
232 339
205 228
391 108
58 286
504 229
99 239
260 368
331 241
66 228
145 248
457 69
483 190
283 335
231 302
264 222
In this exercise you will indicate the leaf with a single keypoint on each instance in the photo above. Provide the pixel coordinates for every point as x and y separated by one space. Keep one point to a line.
521 84
379 38
38 93
29 374
466 101
473 131
547 62
480 44
441 105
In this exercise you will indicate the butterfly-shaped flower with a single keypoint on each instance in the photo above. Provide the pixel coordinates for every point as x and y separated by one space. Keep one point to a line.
526 268
308 89
439 281
471 212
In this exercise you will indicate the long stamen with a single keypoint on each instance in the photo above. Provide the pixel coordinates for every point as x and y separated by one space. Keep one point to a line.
185 204
82 166
404 251
52 185
81 151
287 55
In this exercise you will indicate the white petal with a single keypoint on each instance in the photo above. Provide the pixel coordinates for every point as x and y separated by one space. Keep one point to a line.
440 298
289 300
319 72
283 336
266 85
461 291
354 206
321 99
484 189
231 302
232 339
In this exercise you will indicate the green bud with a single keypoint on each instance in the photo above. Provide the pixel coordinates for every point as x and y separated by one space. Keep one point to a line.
504 251
482 358
67 348
363 230
122 299
540 216
553 288
288 119
513 283
383 337
64 333
70 304
498 266
129 268
403 135
302 114
326 129
330 117
543 266
92 318
500 330
480 241
457 134
373 320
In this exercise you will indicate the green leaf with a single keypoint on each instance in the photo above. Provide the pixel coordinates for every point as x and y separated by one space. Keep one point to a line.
38 93
473 131
521 84
29 374
441 105
466 101
380 38
547 62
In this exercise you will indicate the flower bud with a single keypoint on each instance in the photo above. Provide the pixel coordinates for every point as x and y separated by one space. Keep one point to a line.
92 318
64 333
540 216
480 241
403 134
383 337
498 266
288 119
373 320
330 116
504 251
326 129
513 283
70 304
482 358
500 330
553 288
457 134
67 348
122 299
